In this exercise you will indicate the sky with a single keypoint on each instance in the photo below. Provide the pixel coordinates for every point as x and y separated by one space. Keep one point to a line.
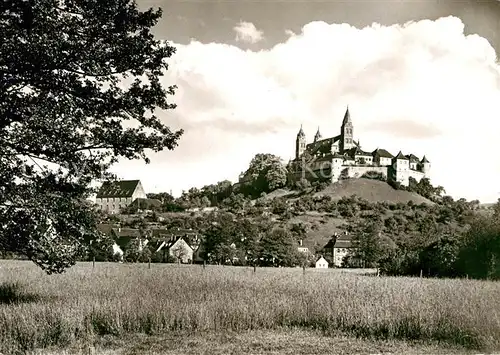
418 76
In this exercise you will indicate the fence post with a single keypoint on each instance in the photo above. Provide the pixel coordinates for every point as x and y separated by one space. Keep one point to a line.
204 264
149 263
254 268
93 262
420 272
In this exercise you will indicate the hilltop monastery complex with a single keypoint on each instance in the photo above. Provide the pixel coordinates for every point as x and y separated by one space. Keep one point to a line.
342 157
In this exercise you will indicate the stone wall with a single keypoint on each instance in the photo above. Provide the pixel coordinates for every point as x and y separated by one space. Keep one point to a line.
353 172
358 171
417 175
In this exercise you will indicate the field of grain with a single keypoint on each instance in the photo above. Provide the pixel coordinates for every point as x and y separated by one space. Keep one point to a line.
122 300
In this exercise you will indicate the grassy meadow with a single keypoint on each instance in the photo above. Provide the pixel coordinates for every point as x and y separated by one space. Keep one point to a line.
123 301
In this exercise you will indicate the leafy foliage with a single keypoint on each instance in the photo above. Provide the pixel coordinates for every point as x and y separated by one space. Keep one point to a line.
79 88
266 173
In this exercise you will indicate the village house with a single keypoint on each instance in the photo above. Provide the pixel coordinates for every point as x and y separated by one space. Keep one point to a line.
124 236
180 244
341 248
113 196
178 249
321 263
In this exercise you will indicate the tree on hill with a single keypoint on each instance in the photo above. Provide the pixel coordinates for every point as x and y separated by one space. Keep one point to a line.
79 89
496 210
218 240
278 248
425 189
440 257
266 173
370 245
480 252
247 241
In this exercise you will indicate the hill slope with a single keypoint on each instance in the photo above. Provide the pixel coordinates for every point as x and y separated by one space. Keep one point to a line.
371 190
368 189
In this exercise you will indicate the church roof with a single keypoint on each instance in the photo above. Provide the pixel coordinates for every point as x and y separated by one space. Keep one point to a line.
322 146
121 188
301 132
400 156
424 160
337 156
382 153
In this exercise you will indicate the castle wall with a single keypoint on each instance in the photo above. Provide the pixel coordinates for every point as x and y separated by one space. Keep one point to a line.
417 175
360 158
358 171
384 161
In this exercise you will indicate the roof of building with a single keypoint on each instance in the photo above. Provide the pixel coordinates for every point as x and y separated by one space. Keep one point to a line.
124 236
347 117
359 151
169 243
424 160
318 134
343 243
413 158
301 132
127 232
382 153
356 151
330 244
400 156
106 228
121 188
321 258
322 146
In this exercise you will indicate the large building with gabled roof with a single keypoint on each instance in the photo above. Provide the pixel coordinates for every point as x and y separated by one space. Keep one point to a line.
338 157
115 195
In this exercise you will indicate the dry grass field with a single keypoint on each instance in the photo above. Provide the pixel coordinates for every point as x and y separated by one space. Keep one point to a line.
168 309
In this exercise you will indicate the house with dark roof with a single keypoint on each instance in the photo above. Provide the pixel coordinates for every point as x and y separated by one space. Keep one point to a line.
340 157
382 157
116 195
177 248
124 237
343 245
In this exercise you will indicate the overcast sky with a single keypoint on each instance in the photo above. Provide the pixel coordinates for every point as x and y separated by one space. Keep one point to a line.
249 73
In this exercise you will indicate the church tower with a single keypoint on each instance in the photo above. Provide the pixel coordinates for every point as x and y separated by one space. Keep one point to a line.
300 143
346 135
317 137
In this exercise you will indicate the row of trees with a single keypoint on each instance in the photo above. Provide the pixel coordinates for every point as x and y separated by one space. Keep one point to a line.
246 242
451 248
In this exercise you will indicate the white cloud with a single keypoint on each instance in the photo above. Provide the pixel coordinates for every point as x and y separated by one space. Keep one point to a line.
247 32
424 88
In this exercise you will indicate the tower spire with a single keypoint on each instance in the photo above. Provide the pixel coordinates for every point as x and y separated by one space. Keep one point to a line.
300 143
317 137
347 116
301 132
